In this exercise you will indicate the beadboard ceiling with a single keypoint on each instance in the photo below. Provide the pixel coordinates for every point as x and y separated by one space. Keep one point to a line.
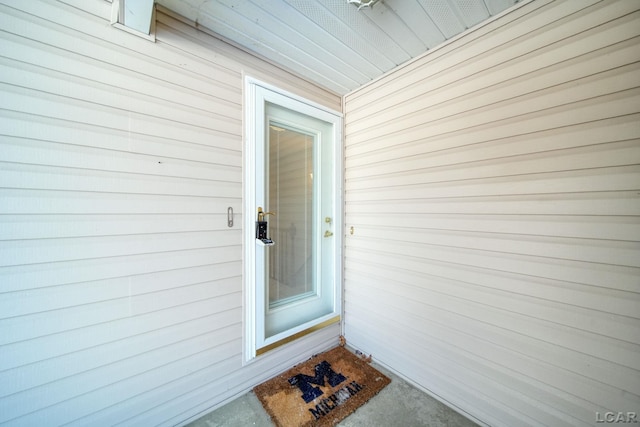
331 42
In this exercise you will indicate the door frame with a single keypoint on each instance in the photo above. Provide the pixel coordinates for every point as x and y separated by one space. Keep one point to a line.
256 93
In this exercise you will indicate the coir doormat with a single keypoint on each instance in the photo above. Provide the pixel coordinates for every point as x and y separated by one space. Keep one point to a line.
321 391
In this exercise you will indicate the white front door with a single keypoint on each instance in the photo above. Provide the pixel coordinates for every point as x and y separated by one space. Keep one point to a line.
296 186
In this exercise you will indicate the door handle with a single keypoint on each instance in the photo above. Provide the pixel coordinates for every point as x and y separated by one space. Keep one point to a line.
328 233
262 214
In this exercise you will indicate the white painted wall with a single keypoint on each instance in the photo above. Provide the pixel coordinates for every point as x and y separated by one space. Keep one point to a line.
493 189
120 282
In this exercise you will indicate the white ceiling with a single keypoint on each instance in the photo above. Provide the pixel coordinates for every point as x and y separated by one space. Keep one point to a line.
331 42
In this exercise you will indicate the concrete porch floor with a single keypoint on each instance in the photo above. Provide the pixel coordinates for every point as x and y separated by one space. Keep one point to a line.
398 404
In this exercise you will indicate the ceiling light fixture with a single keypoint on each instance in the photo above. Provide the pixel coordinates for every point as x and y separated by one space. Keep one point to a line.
363 3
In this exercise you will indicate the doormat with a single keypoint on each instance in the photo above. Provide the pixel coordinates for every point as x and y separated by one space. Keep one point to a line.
321 391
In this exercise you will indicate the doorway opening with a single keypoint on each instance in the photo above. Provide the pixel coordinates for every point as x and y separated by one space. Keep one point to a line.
293 217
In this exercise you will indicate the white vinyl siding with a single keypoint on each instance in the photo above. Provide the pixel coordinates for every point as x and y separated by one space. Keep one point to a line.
120 281
493 190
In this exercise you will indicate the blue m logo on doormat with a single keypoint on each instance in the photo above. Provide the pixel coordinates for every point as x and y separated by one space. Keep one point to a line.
323 370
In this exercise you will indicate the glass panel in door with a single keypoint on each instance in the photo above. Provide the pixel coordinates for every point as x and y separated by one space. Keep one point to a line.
291 264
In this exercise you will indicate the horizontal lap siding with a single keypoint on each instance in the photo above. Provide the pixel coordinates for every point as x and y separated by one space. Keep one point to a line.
120 281
493 189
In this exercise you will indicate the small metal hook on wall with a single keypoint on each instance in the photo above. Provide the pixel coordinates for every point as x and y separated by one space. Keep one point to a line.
230 216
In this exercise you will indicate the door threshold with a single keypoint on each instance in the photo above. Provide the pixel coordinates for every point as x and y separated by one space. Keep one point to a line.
300 334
